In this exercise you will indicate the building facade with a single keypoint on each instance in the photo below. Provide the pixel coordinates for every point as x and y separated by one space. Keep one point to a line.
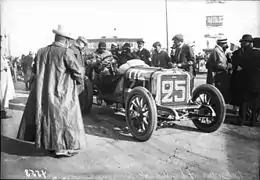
93 43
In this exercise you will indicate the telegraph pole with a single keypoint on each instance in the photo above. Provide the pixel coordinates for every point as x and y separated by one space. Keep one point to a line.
9 45
166 15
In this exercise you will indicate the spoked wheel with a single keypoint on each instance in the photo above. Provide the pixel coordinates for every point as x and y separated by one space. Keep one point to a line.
141 113
212 108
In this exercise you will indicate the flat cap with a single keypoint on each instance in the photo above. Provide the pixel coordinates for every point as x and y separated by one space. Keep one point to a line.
178 37
157 43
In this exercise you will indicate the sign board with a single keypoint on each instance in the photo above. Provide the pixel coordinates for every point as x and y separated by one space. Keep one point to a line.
214 1
214 21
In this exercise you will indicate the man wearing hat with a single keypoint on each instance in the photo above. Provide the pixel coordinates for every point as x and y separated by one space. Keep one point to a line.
247 77
52 116
143 53
184 57
238 77
126 54
217 68
104 59
115 51
160 58
78 47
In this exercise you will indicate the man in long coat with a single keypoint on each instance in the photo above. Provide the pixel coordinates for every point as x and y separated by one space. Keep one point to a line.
251 66
52 116
238 77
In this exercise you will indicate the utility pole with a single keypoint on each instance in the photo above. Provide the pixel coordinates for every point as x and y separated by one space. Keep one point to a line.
9 45
166 26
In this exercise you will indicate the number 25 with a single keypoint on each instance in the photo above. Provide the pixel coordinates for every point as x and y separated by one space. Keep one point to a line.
178 86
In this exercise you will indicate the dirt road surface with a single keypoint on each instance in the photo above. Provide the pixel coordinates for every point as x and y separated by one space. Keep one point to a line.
177 152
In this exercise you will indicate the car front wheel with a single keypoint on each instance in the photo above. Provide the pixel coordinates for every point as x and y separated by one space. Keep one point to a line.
141 114
212 110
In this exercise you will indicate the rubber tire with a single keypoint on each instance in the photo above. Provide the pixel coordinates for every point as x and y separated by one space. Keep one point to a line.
86 98
220 108
143 92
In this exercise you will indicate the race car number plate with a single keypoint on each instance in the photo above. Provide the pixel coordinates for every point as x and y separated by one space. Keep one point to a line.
173 89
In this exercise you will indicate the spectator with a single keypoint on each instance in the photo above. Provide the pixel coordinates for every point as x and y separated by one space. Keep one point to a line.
184 57
7 87
143 53
217 68
160 58
52 116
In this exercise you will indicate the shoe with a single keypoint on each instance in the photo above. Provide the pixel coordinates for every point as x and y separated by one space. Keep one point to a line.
64 154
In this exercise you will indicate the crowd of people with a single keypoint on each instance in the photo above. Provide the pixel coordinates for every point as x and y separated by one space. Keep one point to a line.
237 75
52 117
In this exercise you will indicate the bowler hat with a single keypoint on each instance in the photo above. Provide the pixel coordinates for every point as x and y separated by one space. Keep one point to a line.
61 31
247 38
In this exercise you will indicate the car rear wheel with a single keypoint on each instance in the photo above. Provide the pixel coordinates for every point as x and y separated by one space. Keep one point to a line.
86 97
141 114
212 105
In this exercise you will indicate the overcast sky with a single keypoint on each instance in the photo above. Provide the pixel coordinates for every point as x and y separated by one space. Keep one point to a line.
30 23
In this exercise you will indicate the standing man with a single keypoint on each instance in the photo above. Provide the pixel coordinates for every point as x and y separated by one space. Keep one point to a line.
184 57
250 65
143 53
7 91
217 68
27 69
160 58
238 77
78 48
52 116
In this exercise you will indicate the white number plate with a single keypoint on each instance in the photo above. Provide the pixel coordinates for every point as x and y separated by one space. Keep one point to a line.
173 90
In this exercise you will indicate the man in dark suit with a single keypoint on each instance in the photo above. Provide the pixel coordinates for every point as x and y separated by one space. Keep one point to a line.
238 76
251 66
143 53
126 54
184 57
160 58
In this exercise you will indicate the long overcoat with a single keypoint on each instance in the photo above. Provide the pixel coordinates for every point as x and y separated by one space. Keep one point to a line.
52 116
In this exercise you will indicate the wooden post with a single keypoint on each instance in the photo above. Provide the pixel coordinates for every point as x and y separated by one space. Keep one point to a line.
166 26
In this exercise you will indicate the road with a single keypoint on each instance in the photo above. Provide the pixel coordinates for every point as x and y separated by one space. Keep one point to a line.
177 152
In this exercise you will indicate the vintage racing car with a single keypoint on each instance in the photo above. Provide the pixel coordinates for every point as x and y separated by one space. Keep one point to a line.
149 93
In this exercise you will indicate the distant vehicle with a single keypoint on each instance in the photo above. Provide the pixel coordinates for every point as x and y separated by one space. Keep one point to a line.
148 93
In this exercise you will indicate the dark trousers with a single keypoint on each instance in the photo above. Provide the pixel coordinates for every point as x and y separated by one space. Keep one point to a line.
220 80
